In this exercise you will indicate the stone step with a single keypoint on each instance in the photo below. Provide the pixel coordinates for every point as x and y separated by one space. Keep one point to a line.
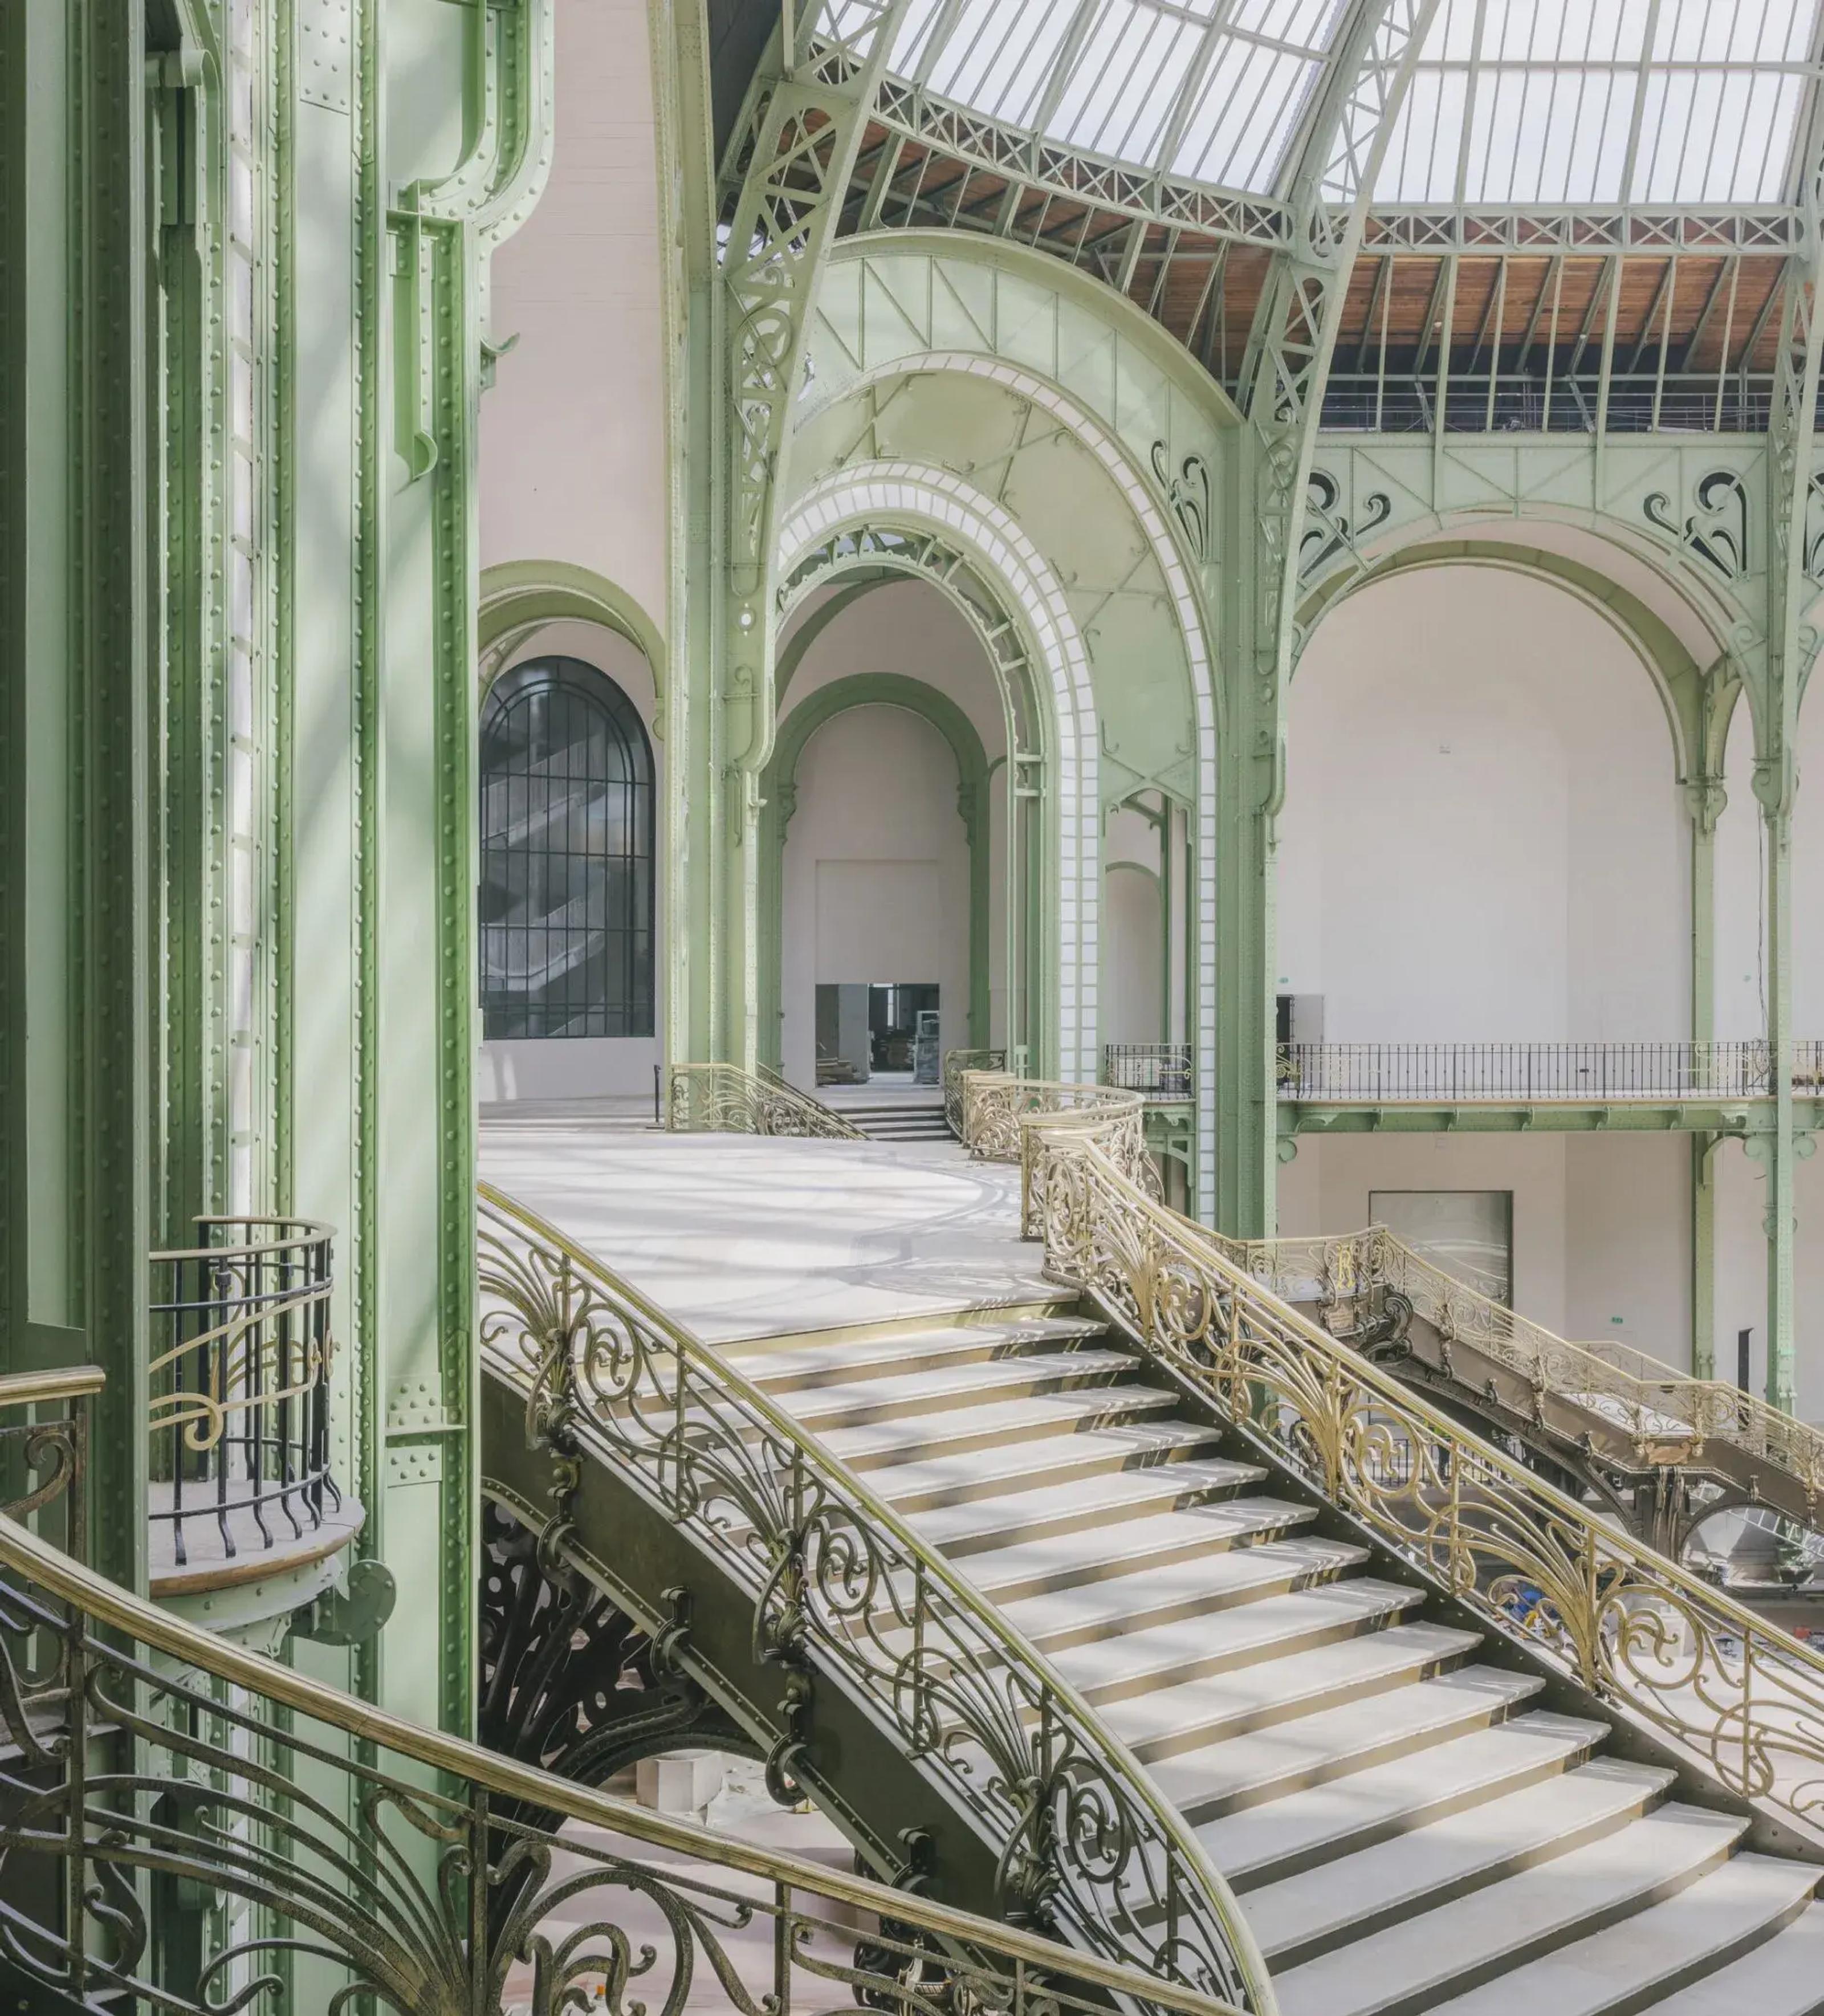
1784 1976
994 1424
844 1361
1064 1561
958 1479
1273 1628
1490 1937
1697 1938
1196 1713
1037 1305
1302 1916
914 1393
979 1525
1265 1843
1206 1585
1223 1778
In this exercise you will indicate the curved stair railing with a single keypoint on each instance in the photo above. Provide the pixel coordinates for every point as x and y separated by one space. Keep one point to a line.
1081 1840
362 1862
1001 1114
1625 1623
1664 1415
725 1099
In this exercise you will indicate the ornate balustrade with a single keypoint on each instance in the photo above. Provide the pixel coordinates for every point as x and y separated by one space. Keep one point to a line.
1521 1073
151 1764
1668 1415
239 1390
1163 1074
999 1112
956 1062
724 1098
844 1591
1627 1624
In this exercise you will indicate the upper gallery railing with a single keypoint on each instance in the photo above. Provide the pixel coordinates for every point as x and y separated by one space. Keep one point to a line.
1372 1074
239 1381
1640 1394
724 1098
1160 1072
842 1585
1625 1623
149 1758
957 1062
999 1112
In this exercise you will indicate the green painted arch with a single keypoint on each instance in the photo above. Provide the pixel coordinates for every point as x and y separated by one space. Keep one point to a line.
520 597
778 794
1697 706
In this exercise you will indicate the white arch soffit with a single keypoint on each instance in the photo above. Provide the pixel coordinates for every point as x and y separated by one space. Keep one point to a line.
915 492
1112 453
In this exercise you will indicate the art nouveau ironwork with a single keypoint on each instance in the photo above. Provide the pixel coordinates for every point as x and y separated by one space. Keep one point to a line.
1000 1112
1628 1624
725 1099
845 1595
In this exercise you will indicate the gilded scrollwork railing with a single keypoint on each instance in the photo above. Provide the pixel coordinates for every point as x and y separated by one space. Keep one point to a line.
1743 1698
1000 1113
171 1765
724 1098
1663 1411
844 1591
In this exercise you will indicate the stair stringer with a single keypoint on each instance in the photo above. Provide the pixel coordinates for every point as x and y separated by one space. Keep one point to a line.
1633 1738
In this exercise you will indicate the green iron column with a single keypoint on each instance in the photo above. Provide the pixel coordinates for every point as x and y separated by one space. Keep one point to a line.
1704 801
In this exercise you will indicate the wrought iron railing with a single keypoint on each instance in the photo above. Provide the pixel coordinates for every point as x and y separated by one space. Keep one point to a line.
1373 1073
1738 1696
1641 1395
725 1099
240 1387
957 1062
844 1588
999 1110
152 1764
1161 1073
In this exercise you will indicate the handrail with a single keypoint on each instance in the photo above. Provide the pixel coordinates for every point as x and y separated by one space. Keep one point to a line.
1630 1627
339 1867
1653 1400
725 1099
842 1584
957 1062
1531 1073
999 1111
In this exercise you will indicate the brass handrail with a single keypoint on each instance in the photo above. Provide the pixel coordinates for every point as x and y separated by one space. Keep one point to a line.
725 1099
957 1062
1000 1112
1736 1694
335 1866
844 1585
1659 1398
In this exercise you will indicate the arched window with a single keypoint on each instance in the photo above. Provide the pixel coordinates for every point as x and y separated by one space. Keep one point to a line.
567 856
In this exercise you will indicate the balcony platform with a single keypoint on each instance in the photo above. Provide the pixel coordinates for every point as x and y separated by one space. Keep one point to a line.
1738 1116
215 1560
736 1236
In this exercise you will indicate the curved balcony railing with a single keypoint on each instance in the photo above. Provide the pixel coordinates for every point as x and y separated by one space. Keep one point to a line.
842 1585
724 1098
1644 1397
1628 1625
149 1758
1523 1074
1163 1074
999 1112
957 1062
239 1390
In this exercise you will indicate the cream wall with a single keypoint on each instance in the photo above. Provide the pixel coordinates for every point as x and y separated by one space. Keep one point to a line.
573 444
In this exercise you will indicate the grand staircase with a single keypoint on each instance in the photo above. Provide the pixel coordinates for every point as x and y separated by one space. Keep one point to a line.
1412 1821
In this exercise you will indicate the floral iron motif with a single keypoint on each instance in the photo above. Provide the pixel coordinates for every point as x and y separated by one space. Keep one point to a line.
1188 493
1333 531
1717 530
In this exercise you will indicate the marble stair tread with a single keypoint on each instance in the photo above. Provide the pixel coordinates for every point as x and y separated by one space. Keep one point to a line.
1732 1912
840 1360
1487 1939
1300 1916
1059 1561
994 1424
980 1524
1263 1844
1274 1626
954 1478
1202 1587
1784 1976
1236 1703
923 1392
1224 1776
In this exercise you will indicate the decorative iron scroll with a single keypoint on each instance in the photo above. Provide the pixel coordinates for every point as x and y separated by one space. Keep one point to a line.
724 1098
1717 530
1641 1396
1333 531
137 1794
1188 493
955 1063
999 1113
846 1594
1744 1700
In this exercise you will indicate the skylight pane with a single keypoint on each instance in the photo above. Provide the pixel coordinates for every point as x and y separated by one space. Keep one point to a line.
1244 116
914 28
1307 24
1123 85
1420 164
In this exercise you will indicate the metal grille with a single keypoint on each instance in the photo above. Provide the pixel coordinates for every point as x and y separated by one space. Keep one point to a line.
567 856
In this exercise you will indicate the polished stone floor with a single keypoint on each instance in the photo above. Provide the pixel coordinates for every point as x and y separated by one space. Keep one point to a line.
740 1236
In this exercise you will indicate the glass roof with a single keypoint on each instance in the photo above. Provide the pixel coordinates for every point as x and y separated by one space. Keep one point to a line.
1513 101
